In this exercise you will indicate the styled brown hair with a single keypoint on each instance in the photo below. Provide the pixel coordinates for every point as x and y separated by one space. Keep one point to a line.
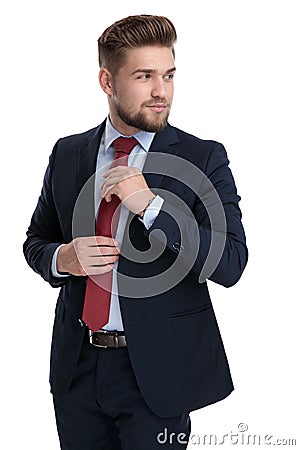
133 32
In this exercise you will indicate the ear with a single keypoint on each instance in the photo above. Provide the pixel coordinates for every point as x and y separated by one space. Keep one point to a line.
105 81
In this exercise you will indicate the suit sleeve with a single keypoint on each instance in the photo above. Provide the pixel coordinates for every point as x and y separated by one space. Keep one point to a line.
44 233
208 237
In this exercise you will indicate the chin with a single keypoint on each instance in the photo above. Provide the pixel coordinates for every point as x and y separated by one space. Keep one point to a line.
156 125
145 122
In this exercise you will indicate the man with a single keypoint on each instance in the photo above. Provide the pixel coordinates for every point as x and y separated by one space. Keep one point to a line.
136 345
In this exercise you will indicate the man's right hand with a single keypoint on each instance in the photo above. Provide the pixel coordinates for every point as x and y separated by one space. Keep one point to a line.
93 255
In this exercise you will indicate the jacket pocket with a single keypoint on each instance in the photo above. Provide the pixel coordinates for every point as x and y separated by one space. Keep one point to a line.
191 311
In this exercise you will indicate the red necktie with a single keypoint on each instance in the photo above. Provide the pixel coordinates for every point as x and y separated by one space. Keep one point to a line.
98 289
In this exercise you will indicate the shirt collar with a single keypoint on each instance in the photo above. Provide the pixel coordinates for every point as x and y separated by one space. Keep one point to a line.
144 138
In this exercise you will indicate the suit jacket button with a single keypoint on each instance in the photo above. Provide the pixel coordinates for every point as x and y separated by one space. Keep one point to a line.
176 246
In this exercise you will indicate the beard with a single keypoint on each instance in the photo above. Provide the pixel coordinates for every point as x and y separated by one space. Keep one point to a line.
140 120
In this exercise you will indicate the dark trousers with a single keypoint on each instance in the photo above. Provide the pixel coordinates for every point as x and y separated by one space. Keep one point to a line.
104 409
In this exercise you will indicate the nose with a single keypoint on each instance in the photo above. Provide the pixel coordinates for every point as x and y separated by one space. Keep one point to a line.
158 88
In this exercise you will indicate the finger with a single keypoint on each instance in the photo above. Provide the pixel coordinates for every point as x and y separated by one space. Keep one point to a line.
98 261
113 179
109 183
104 250
122 172
108 197
101 252
115 169
95 239
99 270
107 193
105 241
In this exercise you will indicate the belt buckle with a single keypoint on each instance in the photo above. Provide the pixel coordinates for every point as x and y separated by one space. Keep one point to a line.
91 339
112 333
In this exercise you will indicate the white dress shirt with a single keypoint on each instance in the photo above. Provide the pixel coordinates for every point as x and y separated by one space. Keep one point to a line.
136 158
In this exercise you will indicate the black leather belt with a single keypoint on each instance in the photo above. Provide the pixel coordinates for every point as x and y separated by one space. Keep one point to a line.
107 339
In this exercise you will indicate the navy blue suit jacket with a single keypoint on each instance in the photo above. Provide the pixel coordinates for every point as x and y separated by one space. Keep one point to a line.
173 338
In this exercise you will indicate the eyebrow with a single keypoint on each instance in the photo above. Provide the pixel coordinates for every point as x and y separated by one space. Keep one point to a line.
152 71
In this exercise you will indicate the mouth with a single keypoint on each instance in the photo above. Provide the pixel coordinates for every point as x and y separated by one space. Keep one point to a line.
158 107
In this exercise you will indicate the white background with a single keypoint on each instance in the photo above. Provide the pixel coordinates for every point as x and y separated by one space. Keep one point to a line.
238 83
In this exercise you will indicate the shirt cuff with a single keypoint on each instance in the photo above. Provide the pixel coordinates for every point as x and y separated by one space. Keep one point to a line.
152 212
54 267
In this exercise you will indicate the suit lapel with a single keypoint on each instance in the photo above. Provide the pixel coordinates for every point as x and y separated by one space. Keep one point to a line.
84 211
87 157
162 145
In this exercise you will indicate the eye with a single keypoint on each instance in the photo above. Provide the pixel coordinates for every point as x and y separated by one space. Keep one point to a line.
145 76
169 76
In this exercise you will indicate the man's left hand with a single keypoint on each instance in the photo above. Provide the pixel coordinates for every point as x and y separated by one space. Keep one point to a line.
129 184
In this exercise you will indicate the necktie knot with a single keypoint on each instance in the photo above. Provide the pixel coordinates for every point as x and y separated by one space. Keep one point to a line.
124 145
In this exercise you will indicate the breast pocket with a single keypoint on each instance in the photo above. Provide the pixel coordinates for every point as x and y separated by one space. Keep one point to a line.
190 312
